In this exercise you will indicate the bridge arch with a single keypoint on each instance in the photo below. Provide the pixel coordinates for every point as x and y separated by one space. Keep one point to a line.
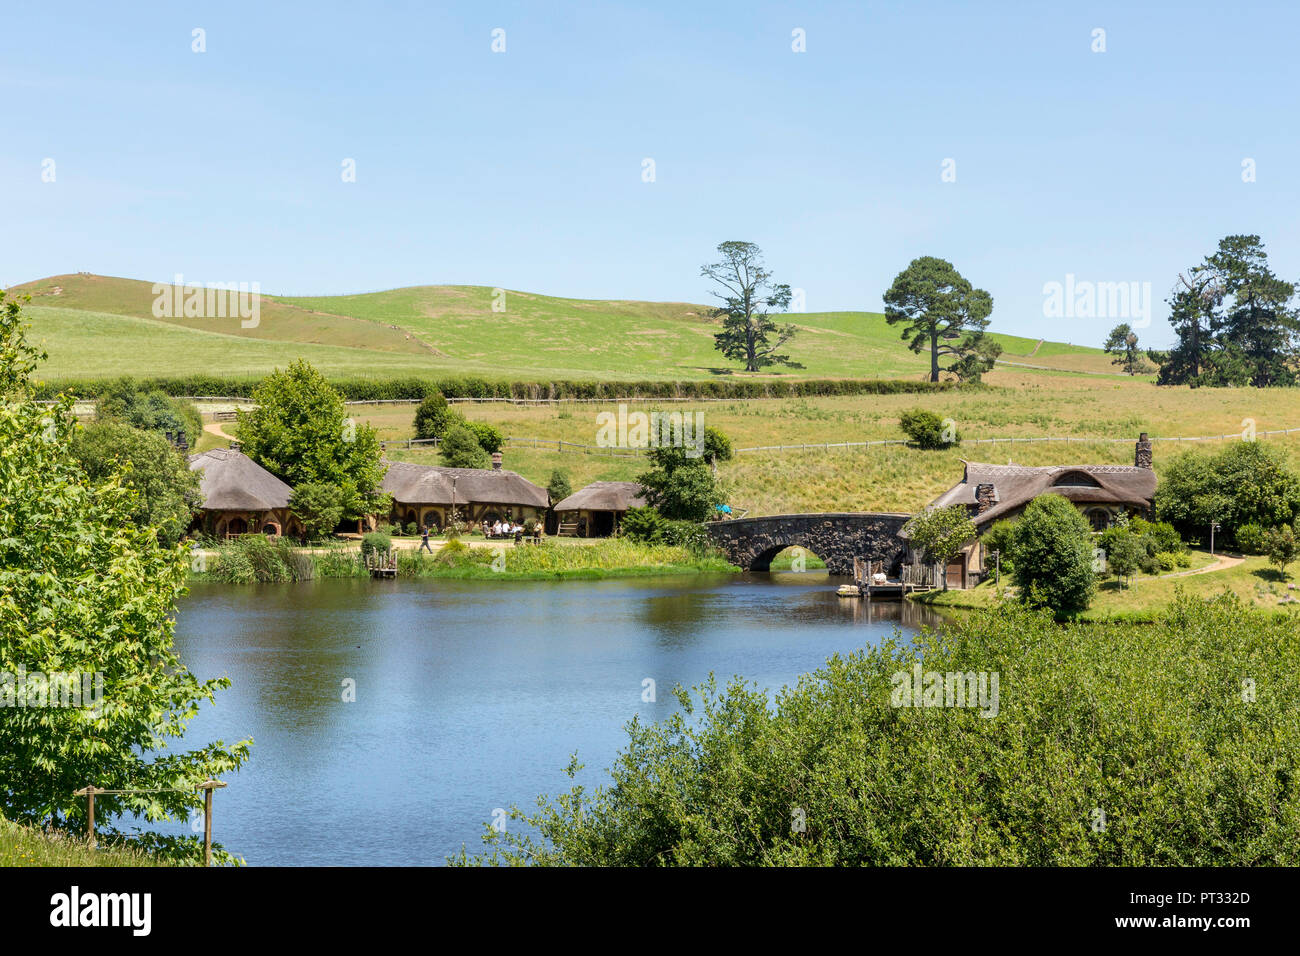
835 537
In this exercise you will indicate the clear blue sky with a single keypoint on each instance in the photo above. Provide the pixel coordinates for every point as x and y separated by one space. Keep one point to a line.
524 169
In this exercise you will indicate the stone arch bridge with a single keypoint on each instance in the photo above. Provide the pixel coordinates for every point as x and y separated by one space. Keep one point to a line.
835 537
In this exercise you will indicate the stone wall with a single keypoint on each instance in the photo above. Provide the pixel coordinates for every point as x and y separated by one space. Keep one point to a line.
836 538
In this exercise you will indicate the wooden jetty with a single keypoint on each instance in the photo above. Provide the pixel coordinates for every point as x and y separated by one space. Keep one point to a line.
382 564
871 581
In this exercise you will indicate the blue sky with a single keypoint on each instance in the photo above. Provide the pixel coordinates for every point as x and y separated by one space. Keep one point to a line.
523 169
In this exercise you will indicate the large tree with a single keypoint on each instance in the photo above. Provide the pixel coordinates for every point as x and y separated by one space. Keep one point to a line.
300 431
87 592
749 334
1053 548
167 490
1235 319
942 313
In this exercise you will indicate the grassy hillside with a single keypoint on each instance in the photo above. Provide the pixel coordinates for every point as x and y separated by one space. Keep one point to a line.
23 846
97 325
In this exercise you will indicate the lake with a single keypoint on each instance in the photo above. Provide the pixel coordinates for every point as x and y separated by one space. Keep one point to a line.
470 695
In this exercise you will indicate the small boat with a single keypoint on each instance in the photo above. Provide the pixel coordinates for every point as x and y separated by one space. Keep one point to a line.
849 590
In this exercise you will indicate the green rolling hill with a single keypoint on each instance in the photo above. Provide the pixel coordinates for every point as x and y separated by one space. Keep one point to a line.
96 326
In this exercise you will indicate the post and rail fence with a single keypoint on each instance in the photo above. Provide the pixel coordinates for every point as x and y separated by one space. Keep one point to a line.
90 791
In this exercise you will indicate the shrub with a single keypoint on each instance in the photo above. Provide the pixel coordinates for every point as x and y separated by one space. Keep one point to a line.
1245 483
460 449
412 528
690 535
319 506
927 429
431 416
1166 560
1250 539
558 488
643 524
1124 550
1149 726
1159 535
255 558
489 438
999 537
1283 547
376 542
1054 559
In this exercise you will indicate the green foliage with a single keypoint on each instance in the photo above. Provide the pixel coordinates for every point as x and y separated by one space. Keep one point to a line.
167 492
1283 547
558 488
928 430
1000 537
85 590
300 432
489 438
431 416
319 506
153 410
376 542
643 524
1250 539
1124 550
1054 556
748 298
940 533
717 446
258 559
1245 483
942 313
1122 343
690 535
1149 725
1157 535
460 448
680 487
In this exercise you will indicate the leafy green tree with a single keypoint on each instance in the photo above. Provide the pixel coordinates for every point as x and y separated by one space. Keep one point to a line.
1122 343
643 524
152 411
928 430
1247 482
558 488
433 416
941 533
1124 551
1000 539
1054 556
748 299
717 446
942 313
680 487
85 590
460 449
1283 547
300 431
319 506
843 769
167 491
489 438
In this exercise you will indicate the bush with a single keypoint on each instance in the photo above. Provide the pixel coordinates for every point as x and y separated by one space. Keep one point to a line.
1250 539
927 429
1158 535
376 542
1149 726
431 416
319 506
643 524
558 488
489 439
1054 559
1247 482
255 558
690 535
460 449
1166 560
412 528
999 537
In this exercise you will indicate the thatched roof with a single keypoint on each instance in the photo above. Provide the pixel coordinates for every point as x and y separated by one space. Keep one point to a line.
1016 485
604 496
413 484
231 481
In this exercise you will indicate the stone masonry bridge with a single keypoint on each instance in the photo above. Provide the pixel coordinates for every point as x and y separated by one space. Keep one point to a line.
835 537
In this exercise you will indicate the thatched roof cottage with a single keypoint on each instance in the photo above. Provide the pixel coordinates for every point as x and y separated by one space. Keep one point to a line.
240 496
425 495
596 510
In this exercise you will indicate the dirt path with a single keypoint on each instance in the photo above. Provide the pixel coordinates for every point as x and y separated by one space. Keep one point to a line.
1225 561
214 428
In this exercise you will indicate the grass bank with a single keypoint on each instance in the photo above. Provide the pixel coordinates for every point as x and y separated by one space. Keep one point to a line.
259 560
23 846
1253 582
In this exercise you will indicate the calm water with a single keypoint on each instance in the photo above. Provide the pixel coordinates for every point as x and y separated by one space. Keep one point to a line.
470 695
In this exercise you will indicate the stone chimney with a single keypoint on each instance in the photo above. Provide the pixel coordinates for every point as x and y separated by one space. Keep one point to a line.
496 461
236 446
986 497
1142 452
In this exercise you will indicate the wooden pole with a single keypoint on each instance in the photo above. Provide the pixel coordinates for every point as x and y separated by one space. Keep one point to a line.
207 787
89 792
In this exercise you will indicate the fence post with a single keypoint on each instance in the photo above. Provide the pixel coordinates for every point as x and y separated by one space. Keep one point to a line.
89 792
207 787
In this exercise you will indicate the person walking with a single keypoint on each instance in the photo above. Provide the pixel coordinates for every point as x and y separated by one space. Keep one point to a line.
424 540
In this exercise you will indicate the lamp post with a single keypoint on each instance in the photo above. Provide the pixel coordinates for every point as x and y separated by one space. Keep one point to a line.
1214 526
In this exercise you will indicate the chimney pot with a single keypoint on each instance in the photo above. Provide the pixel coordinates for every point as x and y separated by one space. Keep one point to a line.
496 461
1142 452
